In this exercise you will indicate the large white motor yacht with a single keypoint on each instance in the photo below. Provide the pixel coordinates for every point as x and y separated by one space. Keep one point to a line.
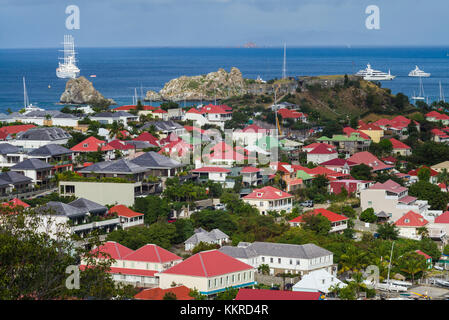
374 75
418 73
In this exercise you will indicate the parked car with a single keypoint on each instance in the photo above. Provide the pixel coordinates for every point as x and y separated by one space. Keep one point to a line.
307 203
220 206
438 268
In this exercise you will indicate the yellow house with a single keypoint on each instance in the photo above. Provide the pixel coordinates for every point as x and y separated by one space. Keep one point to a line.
373 131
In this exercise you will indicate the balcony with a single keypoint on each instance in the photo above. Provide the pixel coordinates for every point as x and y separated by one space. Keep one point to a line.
95 224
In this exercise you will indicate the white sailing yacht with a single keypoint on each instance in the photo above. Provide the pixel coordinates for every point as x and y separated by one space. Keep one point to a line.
26 102
68 68
418 73
374 75
420 96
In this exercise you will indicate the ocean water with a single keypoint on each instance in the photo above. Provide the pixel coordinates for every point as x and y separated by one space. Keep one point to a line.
120 70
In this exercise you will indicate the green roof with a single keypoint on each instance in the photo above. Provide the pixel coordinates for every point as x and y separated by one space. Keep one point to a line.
267 143
300 174
341 137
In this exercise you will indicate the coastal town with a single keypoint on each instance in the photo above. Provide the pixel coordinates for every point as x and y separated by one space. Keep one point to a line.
300 188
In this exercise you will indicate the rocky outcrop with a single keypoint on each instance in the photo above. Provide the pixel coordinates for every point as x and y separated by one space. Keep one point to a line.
82 91
219 84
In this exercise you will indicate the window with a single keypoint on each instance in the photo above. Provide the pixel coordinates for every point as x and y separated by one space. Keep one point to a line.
233 278
291 261
279 260
297 262
210 283
263 259
271 260
238 277
370 203
244 275
215 282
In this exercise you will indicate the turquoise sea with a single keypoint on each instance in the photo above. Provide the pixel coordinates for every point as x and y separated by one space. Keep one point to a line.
120 70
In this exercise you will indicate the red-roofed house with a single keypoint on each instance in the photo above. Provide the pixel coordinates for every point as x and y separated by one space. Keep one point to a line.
442 222
414 175
349 131
338 221
178 149
409 224
252 176
371 160
427 257
266 294
269 199
93 144
215 174
321 154
439 136
339 165
210 114
400 147
210 272
435 116
314 145
8 132
181 293
138 267
373 131
351 186
128 217
148 137
14 203
251 134
292 114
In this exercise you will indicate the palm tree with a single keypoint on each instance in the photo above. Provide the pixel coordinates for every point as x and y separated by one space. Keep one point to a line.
353 260
412 264
423 232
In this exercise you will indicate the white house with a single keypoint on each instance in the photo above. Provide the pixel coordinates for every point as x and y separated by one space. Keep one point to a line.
210 272
215 174
321 154
37 137
282 257
269 199
318 281
215 236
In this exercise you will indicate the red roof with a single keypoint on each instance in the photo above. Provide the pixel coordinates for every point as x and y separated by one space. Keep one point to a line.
321 149
210 108
181 293
423 254
8 130
148 137
131 107
114 249
128 271
390 186
190 128
15 202
266 294
120 145
208 264
443 218
317 144
411 219
348 131
290 114
255 128
331 216
369 159
268 193
210 169
398 144
416 171
338 162
124 211
90 144
369 126
249 169
437 115
152 253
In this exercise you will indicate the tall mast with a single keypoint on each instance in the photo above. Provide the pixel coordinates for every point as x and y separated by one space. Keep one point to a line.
284 66
389 265
25 95
441 93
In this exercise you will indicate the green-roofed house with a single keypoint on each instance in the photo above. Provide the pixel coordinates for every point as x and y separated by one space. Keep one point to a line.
348 144
290 145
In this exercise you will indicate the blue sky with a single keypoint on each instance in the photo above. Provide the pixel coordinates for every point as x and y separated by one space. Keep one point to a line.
228 23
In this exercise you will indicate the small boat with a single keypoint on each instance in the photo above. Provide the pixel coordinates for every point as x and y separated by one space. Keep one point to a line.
418 73
421 92
93 76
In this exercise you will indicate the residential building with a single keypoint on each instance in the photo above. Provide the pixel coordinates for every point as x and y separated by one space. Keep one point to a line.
10 132
210 114
321 154
128 217
37 137
339 165
338 222
252 176
209 272
373 131
282 257
352 186
409 224
370 160
434 116
294 115
318 281
111 117
10 155
269 199
93 144
13 183
400 148
348 144
215 236
180 292
393 199
165 127
35 169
